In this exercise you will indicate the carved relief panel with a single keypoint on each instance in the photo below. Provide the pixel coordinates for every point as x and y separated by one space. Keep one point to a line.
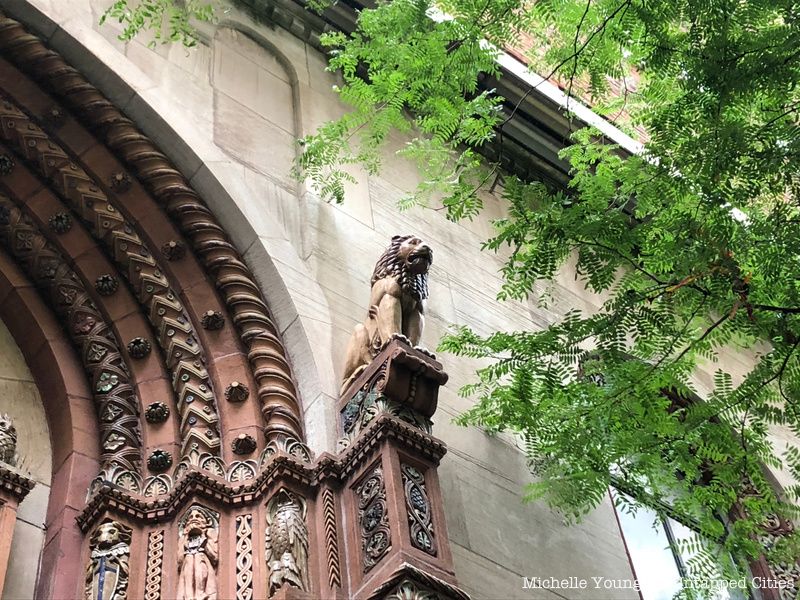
198 554
373 519
418 508
108 569
287 541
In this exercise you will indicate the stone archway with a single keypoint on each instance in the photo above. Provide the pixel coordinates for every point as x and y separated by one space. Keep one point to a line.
173 339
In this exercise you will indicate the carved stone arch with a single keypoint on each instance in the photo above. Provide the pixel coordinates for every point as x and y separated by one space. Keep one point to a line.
271 259
69 412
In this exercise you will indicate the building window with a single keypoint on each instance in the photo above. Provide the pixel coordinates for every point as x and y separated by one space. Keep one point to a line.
662 552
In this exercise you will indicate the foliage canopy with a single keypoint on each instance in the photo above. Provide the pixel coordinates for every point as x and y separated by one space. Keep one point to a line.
695 243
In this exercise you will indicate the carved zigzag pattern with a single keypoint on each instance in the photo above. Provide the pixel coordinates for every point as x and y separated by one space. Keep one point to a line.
331 539
175 333
117 406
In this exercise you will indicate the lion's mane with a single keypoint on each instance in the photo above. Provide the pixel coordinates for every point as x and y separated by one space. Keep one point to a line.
391 265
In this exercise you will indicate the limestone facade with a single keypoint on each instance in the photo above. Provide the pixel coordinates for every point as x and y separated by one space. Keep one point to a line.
227 114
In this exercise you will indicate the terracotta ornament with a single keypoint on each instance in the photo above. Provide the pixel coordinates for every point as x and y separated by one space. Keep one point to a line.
331 539
419 510
244 557
373 519
198 555
396 304
155 560
287 541
107 573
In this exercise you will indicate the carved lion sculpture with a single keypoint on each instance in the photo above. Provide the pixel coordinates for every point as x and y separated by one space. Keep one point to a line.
396 304
108 569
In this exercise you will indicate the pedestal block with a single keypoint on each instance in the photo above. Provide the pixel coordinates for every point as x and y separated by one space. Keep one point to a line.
396 542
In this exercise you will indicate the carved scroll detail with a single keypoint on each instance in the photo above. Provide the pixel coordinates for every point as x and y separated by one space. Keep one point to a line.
331 539
373 519
117 406
287 541
198 554
155 561
267 356
244 557
174 331
362 409
418 508
108 569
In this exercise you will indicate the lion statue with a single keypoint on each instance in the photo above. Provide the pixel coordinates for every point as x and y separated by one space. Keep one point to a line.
396 304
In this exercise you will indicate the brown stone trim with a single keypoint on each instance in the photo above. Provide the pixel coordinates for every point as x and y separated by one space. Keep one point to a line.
136 262
267 356
117 405
120 309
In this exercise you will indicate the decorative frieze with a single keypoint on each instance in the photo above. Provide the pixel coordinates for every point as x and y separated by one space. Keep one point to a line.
287 541
108 570
362 409
373 519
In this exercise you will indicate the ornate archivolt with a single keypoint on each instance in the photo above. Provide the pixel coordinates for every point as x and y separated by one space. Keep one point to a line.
266 354
39 140
103 216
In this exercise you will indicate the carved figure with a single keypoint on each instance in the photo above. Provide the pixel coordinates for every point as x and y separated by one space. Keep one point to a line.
197 555
107 573
396 304
8 440
287 541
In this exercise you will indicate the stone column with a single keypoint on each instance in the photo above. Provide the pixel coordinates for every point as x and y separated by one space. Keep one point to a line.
14 486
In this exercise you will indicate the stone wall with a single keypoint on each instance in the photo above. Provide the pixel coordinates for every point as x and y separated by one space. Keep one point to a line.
19 398
228 113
